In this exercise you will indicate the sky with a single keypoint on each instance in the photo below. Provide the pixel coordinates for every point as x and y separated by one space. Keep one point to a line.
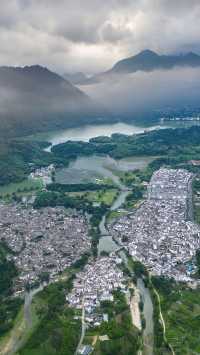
91 35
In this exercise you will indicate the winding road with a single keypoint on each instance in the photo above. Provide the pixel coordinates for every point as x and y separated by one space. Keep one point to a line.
162 320
83 329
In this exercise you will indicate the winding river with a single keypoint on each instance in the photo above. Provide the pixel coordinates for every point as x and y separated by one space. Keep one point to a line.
90 169
107 244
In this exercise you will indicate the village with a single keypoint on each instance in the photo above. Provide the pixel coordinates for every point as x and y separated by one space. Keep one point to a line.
43 173
41 241
95 284
161 233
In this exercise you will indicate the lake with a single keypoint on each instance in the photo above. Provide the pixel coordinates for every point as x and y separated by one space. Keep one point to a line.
84 133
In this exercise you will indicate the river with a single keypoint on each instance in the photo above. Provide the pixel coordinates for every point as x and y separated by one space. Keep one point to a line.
107 244
148 334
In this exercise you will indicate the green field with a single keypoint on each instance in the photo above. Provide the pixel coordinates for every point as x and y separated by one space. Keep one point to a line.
106 197
19 188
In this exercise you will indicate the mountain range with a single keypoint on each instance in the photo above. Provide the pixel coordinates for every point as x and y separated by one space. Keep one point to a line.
146 61
35 99
75 78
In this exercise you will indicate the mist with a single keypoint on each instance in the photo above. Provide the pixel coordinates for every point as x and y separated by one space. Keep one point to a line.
33 99
143 92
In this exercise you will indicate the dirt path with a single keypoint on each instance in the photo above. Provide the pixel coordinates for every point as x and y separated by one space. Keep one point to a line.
163 322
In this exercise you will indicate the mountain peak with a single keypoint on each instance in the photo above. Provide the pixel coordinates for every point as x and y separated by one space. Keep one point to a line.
147 60
191 55
147 53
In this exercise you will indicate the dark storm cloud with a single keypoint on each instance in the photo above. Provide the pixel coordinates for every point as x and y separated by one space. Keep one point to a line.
91 35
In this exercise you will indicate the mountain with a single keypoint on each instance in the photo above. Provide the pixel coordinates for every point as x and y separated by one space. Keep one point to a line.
147 61
35 99
76 78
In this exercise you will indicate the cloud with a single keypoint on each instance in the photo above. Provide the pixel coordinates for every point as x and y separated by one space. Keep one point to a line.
91 35
146 92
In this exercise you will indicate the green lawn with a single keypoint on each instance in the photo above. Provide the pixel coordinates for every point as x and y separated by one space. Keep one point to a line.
21 187
106 197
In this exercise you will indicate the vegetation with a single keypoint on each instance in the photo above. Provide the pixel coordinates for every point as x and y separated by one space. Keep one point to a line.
181 311
105 197
176 145
198 261
20 188
52 199
19 157
57 331
79 264
9 306
134 197
77 187
196 196
124 338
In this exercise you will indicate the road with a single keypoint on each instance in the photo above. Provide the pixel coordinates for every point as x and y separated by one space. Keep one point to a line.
83 329
17 334
190 212
163 321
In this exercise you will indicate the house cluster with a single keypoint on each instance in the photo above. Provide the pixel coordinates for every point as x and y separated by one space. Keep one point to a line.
43 173
159 233
183 118
42 241
94 285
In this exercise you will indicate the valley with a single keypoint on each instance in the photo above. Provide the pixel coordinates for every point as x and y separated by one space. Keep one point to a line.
105 180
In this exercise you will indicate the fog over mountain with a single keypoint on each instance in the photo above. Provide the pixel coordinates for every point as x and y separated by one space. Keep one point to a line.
76 78
146 61
145 92
34 99
92 37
